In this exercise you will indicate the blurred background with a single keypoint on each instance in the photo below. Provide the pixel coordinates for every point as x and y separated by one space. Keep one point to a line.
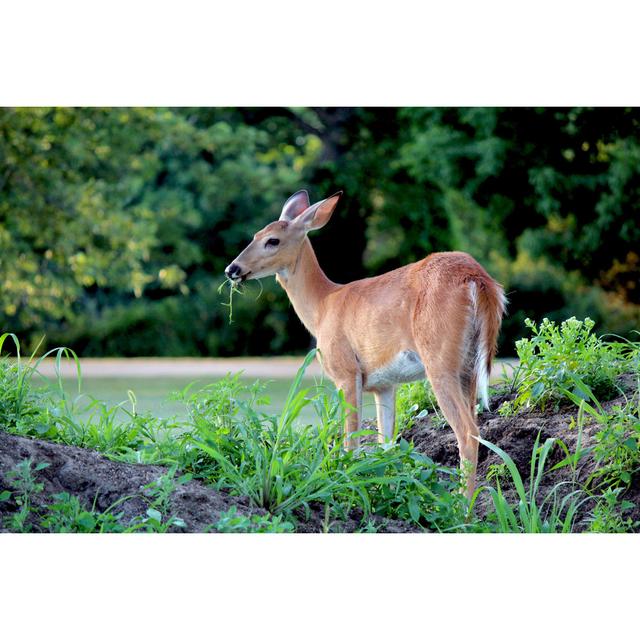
116 224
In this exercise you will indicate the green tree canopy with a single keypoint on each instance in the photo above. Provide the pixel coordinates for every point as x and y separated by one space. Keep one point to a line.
116 224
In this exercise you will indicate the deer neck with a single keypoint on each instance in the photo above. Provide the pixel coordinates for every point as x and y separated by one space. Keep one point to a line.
307 286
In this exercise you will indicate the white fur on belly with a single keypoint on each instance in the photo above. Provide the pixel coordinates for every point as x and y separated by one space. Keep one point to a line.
405 367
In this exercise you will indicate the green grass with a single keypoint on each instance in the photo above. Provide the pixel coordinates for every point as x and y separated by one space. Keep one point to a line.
284 468
415 401
554 513
231 441
291 462
155 394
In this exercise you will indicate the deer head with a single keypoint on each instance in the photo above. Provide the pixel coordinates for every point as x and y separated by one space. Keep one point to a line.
275 248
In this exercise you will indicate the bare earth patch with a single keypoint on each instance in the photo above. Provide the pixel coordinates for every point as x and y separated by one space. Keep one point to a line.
90 476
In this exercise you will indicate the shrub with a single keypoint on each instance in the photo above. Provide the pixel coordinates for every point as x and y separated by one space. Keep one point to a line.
556 356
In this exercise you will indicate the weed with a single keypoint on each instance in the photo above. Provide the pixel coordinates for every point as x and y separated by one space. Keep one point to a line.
555 356
617 448
499 473
232 522
50 412
158 517
607 516
414 401
64 515
554 513
67 515
292 468
23 487
368 527
284 467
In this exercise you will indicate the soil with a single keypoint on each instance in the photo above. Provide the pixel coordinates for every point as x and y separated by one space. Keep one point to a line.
92 477
516 435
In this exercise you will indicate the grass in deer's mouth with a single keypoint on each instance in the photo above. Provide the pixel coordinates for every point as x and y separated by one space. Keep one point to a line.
235 288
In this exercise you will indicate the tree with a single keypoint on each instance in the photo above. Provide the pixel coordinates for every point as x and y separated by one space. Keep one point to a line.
116 224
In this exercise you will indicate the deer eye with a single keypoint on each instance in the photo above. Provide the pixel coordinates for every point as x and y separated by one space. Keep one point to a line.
272 242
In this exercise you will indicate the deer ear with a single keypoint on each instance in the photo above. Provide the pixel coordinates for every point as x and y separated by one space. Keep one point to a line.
318 214
295 205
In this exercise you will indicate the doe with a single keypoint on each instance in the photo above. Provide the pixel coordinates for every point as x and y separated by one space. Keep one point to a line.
438 317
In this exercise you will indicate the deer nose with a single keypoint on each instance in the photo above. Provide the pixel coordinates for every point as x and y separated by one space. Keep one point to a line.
232 271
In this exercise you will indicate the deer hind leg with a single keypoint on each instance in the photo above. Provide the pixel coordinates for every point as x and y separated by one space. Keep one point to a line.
386 411
449 354
455 406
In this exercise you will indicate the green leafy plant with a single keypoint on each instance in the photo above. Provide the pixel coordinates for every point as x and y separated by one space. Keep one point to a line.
415 401
617 448
232 522
556 355
158 517
67 515
403 484
608 514
50 411
23 486
295 469
285 466
281 466
369 527
617 442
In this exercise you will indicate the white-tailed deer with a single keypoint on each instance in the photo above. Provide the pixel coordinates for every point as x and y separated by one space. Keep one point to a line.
439 316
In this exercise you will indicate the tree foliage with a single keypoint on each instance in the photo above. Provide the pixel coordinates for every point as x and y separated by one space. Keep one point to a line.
116 224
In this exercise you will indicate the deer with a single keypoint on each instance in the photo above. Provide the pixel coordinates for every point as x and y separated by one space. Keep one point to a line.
437 318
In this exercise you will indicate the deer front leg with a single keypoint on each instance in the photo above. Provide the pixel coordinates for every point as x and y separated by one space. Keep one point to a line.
351 386
386 411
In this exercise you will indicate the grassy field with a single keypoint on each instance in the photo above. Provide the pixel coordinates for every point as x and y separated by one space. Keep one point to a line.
154 394
565 454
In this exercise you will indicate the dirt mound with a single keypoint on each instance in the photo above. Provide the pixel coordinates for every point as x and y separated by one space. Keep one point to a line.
90 476
516 435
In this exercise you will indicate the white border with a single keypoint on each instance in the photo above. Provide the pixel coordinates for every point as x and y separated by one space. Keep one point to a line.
460 52
315 586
